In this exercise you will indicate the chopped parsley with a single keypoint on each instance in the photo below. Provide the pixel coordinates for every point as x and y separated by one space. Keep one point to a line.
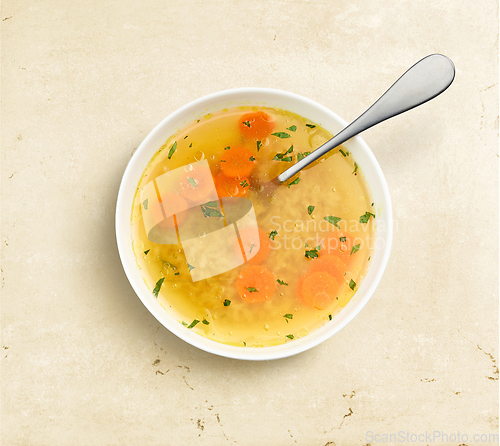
296 181
145 204
259 145
146 252
292 128
343 239
244 183
205 322
251 247
346 153
311 126
227 148
191 267
192 182
252 158
355 168
251 289
184 323
209 209
227 302
330 316
281 282
247 123
301 156
273 234
156 289
312 253
352 284
310 210
282 135
172 149
290 336
283 157
192 324
365 217
355 248
333 220
288 316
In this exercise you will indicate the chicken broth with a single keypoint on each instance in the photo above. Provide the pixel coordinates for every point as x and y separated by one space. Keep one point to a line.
235 261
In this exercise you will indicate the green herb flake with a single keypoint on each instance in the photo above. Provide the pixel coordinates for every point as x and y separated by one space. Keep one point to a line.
312 253
157 287
184 323
301 156
247 123
244 183
191 267
205 322
333 220
191 145
365 217
355 248
146 252
352 284
145 204
311 126
310 210
251 289
343 239
288 316
227 148
166 262
227 302
192 324
192 182
283 157
259 145
210 209
282 135
330 317
281 282
252 158
172 149
355 168
273 234
292 128
185 136
346 153
251 247
290 336
296 181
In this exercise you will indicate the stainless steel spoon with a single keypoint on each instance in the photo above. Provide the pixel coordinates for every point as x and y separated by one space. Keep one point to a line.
422 82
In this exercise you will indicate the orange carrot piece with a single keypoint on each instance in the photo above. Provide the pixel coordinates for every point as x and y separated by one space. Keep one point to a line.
197 184
256 125
236 162
255 284
174 204
331 264
231 187
248 239
341 243
317 289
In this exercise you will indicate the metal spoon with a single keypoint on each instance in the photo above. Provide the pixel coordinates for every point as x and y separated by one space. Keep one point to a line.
422 82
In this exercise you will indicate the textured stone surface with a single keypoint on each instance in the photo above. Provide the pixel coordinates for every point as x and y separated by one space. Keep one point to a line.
84 363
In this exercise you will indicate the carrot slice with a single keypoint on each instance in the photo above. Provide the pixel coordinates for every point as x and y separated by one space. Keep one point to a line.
331 264
255 284
197 184
248 240
236 162
174 204
256 125
231 187
317 289
341 243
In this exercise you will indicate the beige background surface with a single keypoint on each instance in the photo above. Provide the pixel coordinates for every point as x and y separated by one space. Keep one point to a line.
84 363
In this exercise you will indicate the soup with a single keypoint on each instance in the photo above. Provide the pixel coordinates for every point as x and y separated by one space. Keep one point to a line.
236 261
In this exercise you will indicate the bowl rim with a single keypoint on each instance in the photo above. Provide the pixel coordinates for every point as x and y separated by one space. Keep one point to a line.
134 171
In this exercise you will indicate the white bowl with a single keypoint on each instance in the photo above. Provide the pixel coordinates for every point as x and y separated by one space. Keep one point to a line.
306 108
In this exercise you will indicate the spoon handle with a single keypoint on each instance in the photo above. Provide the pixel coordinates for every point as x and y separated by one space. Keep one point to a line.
422 82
